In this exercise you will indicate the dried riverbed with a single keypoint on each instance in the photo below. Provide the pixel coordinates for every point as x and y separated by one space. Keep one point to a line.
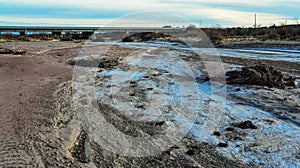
153 82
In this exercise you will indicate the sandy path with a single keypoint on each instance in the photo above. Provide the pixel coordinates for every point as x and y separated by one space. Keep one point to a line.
26 103
24 80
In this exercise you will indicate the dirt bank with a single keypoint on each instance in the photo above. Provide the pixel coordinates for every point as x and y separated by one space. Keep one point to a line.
282 102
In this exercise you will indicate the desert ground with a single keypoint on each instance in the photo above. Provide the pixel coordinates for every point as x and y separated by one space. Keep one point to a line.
40 128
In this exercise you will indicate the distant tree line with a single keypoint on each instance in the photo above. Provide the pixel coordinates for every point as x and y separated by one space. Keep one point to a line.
286 32
217 34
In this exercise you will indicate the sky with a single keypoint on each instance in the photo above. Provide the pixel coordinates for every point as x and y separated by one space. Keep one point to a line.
177 13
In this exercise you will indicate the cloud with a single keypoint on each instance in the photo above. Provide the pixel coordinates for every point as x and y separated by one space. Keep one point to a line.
234 17
144 4
28 20
257 3
151 19
92 4
229 12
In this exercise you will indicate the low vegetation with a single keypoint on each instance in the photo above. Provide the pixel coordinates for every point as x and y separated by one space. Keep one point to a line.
288 32
31 38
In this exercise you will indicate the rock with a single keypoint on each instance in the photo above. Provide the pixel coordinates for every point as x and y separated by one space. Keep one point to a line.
156 123
262 75
234 136
141 106
217 133
223 145
71 62
108 63
245 125
159 123
133 84
190 152
230 129
175 147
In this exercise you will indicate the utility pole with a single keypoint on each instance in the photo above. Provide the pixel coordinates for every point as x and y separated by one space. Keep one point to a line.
296 20
200 23
255 23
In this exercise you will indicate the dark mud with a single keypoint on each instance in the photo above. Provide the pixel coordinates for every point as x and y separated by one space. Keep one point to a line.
261 75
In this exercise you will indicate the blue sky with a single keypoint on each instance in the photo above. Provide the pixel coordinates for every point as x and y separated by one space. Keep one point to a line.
225 13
